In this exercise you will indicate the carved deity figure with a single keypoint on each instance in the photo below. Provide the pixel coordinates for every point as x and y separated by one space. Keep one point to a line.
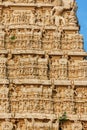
39 17
7 125
70 4
28 124
6 17
57 40
72 18
31 17
77 125
56 15
4 91
63 68
47 18
2 39
69 92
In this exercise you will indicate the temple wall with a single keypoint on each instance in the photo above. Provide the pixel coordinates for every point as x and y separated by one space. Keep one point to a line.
43 66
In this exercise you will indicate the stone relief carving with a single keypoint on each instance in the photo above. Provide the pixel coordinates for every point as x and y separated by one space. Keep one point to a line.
72 18
55 2
2 38
7 125
26 39
57 40
35 103
72 41
77 125
63 68
39 17
59 68
13 17
75 69
57 17
20 1
47 18
3 67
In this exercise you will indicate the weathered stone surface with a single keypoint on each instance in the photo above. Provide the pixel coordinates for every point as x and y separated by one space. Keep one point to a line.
43 66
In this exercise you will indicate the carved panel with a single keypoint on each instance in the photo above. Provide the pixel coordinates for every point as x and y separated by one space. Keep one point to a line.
24 39
28 16
63 99
16 16
31 98
72 41
59 68
28 67
77 69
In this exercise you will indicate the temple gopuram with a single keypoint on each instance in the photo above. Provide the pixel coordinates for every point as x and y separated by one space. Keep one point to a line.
43 66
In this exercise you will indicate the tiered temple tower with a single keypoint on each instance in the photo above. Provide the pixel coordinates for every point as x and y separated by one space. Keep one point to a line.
43 66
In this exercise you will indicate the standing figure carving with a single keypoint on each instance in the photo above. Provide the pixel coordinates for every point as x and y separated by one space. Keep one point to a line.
56 16
77 125
7 125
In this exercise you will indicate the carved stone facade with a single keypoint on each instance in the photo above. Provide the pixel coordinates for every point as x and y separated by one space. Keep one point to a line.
43 66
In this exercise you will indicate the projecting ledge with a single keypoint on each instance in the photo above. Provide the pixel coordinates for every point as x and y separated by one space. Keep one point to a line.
6 4
28 115
71 28
77 117
80 53
72 53
80 82
35 27
62 82
39 52
36 115
69 82
3 51
4 81
5 115
32 81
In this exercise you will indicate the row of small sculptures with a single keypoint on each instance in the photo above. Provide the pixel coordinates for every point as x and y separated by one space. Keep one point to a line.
39 100
55 2
38 68
41 39
31 125
42 106
55 16
30 91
